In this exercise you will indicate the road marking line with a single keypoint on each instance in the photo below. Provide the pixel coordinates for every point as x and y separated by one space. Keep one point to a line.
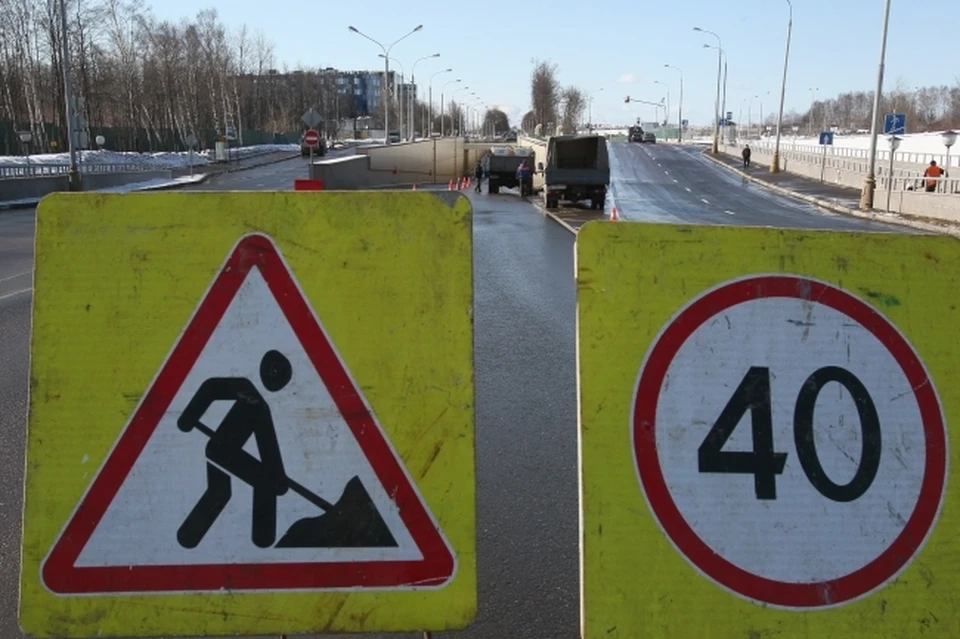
13 277
26 290
730 212
675 181
704 201
688 189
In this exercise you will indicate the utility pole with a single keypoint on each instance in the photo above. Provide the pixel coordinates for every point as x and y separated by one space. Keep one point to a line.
73 173
870 182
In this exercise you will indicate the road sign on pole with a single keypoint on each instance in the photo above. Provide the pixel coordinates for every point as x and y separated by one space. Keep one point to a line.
782 449
894 123
311 117
826 138
259 449
311 138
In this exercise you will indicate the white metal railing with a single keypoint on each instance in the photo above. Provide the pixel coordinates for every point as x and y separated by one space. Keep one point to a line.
944 186
883 155
47 170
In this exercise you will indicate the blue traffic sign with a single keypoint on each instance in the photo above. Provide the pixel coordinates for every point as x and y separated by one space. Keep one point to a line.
894 123
826 137
684 122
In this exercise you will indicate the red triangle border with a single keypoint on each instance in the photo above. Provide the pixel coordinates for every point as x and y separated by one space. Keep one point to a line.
438 565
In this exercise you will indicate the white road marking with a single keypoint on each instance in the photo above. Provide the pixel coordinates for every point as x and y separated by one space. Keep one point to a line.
675 181
688 189
13 277
730 212
704 201
25 290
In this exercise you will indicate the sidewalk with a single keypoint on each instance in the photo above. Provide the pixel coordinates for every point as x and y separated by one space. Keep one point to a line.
830 196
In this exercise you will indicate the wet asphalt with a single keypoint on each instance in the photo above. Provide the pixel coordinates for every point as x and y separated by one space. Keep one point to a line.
526 437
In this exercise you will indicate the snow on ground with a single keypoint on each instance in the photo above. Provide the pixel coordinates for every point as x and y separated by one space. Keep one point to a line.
146 185
159 160
929 143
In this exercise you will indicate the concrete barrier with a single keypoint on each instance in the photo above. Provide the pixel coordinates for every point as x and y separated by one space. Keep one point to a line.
26 188
437 160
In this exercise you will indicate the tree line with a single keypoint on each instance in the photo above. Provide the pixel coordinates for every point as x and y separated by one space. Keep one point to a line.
147 84
553 104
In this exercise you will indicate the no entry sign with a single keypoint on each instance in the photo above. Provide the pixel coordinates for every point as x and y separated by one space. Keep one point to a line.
764 430
824 431
311 138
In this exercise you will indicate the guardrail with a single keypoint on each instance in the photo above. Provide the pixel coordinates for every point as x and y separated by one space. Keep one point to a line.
47 170
883 155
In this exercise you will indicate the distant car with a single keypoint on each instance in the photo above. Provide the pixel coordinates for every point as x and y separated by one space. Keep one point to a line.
650 137
394 137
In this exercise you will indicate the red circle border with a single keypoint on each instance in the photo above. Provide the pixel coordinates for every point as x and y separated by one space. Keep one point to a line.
695 550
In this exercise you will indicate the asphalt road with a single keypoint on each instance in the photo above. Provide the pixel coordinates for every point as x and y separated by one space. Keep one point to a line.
675 184
527 505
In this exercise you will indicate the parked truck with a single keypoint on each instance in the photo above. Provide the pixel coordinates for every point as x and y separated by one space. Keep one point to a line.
500 167
577 169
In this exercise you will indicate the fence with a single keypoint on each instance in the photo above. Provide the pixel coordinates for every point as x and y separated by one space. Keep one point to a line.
883 155
46 170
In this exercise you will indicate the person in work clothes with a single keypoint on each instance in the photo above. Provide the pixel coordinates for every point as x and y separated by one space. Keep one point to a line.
478 175
525 177
746 156
932 173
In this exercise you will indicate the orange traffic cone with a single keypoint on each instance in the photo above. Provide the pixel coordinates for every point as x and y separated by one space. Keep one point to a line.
614 216
450 185
414 186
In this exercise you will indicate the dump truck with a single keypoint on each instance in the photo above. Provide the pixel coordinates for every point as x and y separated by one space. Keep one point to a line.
636 134
577 169
500 167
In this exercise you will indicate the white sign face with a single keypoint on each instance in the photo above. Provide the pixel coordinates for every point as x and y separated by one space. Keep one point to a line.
789 442
155 512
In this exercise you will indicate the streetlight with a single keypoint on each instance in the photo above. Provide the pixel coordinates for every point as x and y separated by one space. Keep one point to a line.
667 87
870 182
413 97
813 102
73 172
775 163
430 88
949 139
723 100
452 120
716 119
386 73
441 105
680 109
399 94
894 145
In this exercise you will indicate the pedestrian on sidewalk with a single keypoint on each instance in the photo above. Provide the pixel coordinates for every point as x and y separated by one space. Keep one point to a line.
478 175
932 174
746 156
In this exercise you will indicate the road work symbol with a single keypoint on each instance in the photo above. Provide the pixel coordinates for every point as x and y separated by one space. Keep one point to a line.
250 416
252 462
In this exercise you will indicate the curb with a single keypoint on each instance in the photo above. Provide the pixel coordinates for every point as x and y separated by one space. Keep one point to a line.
556 218
251 166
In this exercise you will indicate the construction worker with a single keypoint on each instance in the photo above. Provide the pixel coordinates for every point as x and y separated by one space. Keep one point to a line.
932 174
525 178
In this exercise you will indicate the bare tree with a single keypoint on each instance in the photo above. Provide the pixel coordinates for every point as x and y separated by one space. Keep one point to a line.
496 121
574 104
544 92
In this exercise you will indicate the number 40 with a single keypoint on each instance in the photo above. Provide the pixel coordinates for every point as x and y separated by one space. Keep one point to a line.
753 394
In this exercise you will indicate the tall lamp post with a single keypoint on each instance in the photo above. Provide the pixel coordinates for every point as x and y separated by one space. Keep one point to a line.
73 172
430 90
716 119
413 96
452 120
949 139
667 113
441 105
386 73
775 163
399 95
723 99
680 108
870 182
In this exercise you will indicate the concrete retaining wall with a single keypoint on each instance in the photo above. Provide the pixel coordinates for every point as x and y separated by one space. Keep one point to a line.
423 161
26 188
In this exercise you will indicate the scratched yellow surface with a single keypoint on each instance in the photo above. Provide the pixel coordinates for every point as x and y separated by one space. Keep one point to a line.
118 276
632 278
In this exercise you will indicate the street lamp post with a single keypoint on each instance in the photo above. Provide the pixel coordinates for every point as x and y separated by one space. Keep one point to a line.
399 96
441 105
716 119
870 182
590 107
894 145
413 96
452 120
949 139
430 90
386 73
680 108
667 114
25 137
775 163
73 172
